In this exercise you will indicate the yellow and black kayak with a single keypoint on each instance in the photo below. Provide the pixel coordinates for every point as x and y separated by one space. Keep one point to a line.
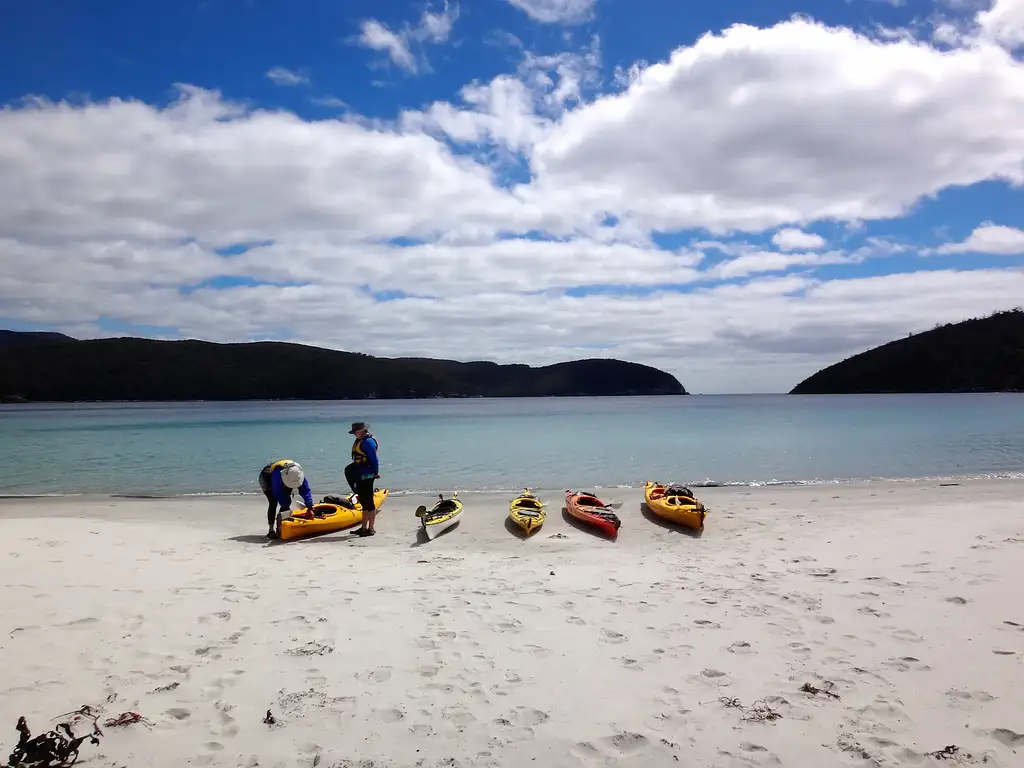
675 503
327 518
527 511
440 517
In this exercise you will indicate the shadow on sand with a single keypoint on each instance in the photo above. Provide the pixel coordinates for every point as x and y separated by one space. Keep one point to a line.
421 535
582 527
514 529
254 538
337 535
668 525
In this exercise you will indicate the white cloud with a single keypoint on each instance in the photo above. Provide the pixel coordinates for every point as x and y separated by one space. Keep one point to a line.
282 76
433 27
796 239
114 208
989 238
769 261
331 102
1003 22
514 111
556 11
757 128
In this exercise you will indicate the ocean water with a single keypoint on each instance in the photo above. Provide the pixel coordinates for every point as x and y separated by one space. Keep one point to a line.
505 444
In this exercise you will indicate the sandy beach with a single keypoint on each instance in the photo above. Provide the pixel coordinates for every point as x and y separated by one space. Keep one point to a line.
898 603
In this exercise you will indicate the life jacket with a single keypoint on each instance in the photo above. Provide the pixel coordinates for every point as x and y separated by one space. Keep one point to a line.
359 457
280 464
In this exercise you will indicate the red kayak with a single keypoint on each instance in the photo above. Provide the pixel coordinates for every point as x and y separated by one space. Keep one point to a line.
590 509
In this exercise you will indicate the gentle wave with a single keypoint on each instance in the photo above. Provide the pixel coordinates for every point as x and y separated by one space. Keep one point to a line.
512 490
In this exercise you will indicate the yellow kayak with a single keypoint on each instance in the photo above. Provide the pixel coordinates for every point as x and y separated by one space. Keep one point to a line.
675 503
527 511
442 516
327 517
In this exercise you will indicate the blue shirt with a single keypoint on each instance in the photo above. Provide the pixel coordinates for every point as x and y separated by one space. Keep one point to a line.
283 493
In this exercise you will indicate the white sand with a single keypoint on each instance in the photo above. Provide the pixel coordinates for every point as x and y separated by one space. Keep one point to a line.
481 649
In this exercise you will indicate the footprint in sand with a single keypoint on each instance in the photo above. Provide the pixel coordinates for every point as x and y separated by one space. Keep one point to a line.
1008 738
380 675
179 713
611 636
537 651
509 625
221 615
907 635
981 696
390 715
625 744
867 610
458 716
576 620
907 663
958 600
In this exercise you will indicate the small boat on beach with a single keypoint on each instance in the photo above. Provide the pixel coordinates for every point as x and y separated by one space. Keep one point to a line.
588 508
675 503
527 511
439 518
326 517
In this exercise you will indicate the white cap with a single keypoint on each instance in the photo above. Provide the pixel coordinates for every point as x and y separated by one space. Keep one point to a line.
292 475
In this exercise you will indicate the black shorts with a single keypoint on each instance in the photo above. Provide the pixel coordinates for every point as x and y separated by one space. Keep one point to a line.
265 484
364 492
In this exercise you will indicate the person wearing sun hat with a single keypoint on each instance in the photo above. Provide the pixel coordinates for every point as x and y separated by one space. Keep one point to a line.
278 481
360 474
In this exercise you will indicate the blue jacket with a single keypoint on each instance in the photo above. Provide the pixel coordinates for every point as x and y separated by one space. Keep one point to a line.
283 493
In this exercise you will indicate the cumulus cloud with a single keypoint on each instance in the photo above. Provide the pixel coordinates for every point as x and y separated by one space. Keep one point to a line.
796 239
515 111
756 128
526 220
283 76
556 11
433 27
989 238
1004 22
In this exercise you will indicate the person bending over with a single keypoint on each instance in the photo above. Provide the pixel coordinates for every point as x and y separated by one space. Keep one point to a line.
361 473
278 481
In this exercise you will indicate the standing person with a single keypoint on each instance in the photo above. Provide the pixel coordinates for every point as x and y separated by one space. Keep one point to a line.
278 480
361 473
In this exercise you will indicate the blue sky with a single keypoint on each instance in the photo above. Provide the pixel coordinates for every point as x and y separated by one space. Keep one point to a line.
778 186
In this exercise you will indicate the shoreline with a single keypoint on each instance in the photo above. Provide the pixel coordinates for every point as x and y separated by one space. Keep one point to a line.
810 626
603 490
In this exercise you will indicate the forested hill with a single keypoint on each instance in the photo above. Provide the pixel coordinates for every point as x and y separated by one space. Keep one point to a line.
51 367
979 355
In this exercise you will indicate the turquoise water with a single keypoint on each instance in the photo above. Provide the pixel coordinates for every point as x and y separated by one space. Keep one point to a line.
505 444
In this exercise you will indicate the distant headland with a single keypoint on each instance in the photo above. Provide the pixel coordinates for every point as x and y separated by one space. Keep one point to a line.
979 355
52 367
